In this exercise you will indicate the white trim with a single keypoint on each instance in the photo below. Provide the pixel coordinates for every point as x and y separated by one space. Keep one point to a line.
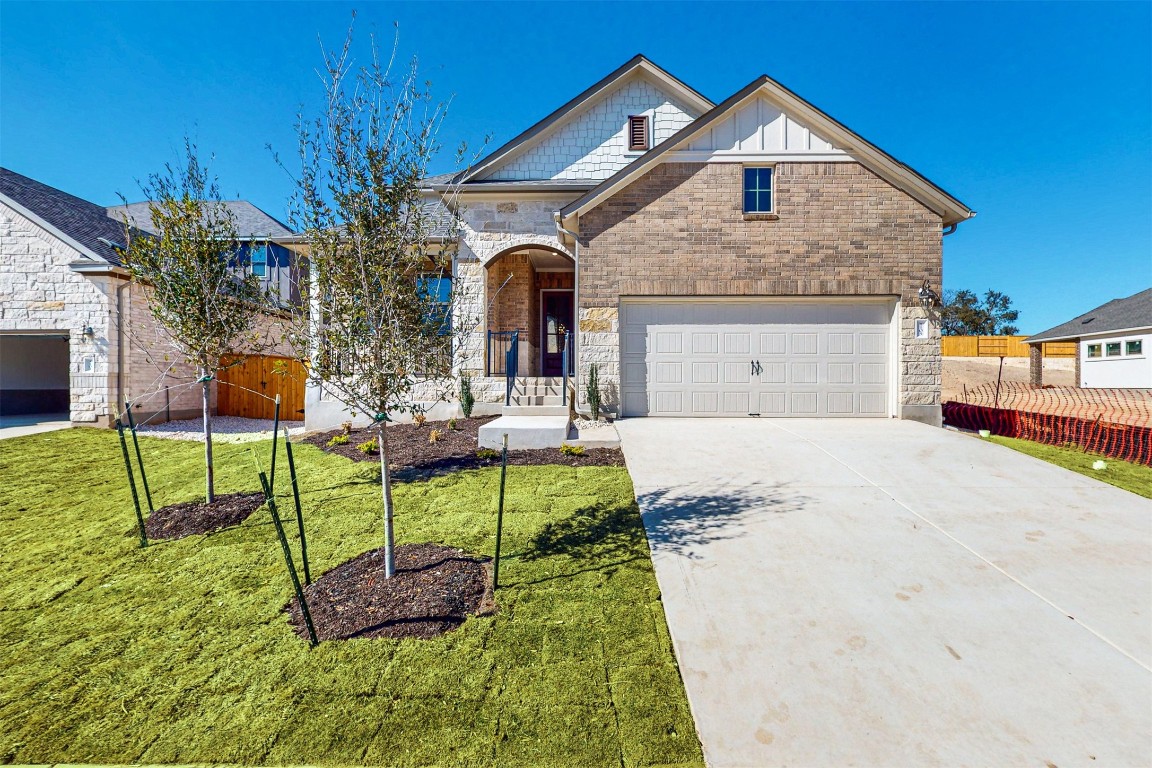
1093 335
739 156
844 298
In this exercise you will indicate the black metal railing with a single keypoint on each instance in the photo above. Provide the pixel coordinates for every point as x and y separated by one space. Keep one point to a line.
511 366
498 344
566 361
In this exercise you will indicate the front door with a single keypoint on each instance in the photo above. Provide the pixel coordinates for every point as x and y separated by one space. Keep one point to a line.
557 306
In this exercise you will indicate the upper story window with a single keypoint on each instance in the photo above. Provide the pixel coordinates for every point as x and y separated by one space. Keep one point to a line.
1112 349
758 190
1094 350
1134 347
638 133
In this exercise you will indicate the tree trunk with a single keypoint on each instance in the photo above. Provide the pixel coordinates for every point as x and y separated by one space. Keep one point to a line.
209 475
386 490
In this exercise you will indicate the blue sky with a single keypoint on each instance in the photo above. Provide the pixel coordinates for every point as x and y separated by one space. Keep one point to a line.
1037 115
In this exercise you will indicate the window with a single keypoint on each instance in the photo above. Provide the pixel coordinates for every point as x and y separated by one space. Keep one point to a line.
638 132
1093 350
1112 349
757 190
437 290
1134 347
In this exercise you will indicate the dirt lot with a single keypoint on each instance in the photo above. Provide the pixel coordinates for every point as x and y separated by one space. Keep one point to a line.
971 372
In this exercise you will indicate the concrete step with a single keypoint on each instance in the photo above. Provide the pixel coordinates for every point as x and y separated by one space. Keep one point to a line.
530 400
534 410
550 381
603 435
525 432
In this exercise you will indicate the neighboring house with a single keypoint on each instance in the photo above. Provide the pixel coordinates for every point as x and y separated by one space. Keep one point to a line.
76 336
1114 344
753 257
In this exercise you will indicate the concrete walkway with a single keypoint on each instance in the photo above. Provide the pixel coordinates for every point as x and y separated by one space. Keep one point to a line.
879 593
18 426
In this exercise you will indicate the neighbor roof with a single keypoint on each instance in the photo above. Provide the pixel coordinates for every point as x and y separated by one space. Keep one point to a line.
637 63
881 163
83 224
1132 313
251 222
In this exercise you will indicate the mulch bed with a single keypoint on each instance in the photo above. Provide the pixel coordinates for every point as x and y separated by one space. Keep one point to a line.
414 457
186 518
435 588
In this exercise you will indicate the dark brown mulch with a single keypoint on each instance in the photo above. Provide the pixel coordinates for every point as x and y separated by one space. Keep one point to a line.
435 588
186 518
413 457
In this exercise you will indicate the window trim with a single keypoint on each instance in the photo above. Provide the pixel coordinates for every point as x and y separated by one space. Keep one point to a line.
769 214
1119 349
646 126
1099 351
1139 351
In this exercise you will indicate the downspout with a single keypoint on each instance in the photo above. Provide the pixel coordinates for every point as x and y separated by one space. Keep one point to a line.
575 302
949 230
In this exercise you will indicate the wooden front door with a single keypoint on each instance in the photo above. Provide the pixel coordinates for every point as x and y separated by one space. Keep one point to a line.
557 311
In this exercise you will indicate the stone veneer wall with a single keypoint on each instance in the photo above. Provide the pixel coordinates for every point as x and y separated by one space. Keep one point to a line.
838 229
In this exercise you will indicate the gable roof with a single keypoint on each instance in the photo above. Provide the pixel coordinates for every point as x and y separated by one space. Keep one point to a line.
83 225
884 165
251 222
1117 315
638 63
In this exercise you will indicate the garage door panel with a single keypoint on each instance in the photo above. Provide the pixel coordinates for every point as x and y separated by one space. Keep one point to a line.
700 358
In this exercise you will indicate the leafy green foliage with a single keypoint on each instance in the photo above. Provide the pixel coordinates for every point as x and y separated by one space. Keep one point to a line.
592 390
181 653
487 453
467 399
338 440
368 448
572 450
962 313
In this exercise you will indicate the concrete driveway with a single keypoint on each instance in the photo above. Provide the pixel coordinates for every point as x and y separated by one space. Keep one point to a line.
882 593
32 424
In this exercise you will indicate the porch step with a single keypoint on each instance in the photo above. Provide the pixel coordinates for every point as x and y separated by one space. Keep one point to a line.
537 400
525 432
535 410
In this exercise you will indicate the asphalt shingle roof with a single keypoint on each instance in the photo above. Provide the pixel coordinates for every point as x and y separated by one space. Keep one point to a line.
79 219
1117 315
251 222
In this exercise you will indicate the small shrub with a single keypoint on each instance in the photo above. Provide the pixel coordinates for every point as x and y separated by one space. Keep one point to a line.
346 427
572 450
487 453
338 440
435 436
467 400
452 424
368 448
592 390
419 419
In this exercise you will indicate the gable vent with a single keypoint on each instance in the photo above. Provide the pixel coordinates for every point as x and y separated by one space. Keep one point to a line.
638 132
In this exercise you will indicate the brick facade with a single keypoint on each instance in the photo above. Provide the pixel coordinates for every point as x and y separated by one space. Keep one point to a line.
838 230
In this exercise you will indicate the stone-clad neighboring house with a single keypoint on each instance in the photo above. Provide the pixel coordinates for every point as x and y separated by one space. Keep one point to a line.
76 336
752 257
1114 344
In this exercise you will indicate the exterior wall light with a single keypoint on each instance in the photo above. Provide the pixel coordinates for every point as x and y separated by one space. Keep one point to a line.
88 332
928 297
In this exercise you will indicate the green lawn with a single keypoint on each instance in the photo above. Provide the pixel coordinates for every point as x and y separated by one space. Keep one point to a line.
1122 474
180 652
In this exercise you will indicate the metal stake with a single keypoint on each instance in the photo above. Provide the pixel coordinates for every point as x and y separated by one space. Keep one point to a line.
299 514
500 514
275 434
139 458
132 484
288 560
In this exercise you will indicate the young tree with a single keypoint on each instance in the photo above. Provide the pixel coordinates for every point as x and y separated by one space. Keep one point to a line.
378 324
184 267
962 313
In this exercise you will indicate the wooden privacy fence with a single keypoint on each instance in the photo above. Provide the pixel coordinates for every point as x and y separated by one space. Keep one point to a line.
1000 346
249 388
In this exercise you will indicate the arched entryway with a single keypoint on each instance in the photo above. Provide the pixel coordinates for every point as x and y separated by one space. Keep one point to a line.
530 289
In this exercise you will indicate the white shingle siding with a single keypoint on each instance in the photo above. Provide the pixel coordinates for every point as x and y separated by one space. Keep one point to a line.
594 145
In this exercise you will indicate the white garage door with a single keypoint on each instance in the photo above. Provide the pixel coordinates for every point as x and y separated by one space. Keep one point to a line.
768 358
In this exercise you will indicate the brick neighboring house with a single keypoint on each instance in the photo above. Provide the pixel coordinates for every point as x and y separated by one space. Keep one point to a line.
76 336
748 257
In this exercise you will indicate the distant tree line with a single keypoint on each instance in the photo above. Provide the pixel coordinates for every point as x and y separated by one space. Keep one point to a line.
963 313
